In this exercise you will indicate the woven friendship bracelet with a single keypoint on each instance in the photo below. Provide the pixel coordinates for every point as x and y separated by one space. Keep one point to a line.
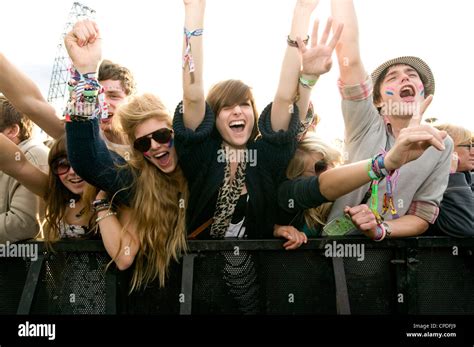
188 55
86 98
306 83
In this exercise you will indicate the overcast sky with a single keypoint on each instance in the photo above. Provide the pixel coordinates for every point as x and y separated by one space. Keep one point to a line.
245 39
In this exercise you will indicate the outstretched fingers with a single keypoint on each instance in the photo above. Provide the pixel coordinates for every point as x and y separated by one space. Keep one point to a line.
326 32
337 36
314 37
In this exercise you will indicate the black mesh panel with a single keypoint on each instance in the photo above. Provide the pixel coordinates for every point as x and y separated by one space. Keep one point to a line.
72 283
445 282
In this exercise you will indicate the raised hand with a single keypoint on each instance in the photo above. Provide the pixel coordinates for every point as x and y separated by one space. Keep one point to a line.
413 140
308 5
84 46
317 58
191 2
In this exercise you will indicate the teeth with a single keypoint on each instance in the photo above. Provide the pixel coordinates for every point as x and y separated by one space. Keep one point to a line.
237 123
75 181
160 155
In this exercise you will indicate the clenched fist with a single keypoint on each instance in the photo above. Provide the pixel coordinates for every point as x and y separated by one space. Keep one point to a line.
84 46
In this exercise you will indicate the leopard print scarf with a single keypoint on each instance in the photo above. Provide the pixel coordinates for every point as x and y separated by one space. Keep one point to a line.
228 197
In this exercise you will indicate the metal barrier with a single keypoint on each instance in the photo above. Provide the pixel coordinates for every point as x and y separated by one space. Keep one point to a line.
423 275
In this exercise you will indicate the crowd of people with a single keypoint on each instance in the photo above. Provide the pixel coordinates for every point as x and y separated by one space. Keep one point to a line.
124 170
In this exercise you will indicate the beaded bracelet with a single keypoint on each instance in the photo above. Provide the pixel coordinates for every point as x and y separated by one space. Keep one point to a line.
97 202
108 214
104 207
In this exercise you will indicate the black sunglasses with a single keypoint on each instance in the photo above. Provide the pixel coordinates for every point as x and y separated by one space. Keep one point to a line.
60 166
320 166
162 136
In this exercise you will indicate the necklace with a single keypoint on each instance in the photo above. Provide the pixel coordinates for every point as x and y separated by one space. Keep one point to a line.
81 213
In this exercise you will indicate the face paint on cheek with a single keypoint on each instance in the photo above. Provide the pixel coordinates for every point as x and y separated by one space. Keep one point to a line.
422 89
389 91
146 154
171 143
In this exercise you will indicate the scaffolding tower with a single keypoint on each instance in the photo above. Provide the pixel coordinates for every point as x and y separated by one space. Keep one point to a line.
60 75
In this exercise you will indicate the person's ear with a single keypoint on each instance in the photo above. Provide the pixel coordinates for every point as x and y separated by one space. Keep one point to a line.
12 131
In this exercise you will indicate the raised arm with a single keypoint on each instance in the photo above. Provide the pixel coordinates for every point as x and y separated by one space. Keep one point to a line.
302 66
193 91
14 163
348 53
87 151
316 60
24 94
291 66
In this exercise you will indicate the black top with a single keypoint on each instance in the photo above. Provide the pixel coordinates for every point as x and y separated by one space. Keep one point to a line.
95 163
295 196
198 154
456 212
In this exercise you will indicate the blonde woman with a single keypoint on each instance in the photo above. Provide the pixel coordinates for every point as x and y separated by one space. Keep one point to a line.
456 213
313 156
150 182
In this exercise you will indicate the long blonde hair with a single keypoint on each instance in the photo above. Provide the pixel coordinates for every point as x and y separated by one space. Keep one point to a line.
309 145
158 205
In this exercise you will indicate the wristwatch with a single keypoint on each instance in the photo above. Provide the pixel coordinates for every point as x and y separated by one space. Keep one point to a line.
388 230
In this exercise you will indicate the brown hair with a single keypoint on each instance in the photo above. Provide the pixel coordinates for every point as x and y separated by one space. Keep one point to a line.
9 116
229 93
158 209
378 83
57 197
111 71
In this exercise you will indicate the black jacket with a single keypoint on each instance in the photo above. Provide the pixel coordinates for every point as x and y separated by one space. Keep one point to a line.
95 163
456 212
198 158
295 196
